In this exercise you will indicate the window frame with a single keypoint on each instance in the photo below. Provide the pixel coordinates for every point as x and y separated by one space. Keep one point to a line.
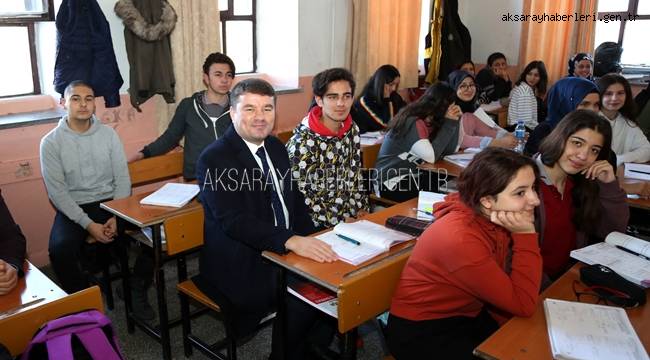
27 19
228 15
632 7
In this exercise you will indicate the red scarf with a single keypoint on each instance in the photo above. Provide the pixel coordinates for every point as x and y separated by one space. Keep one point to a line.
317 126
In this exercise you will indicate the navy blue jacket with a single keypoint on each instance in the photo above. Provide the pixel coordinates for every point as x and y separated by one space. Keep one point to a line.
239 225
85 50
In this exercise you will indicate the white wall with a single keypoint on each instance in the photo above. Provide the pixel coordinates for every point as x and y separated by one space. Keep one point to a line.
489 33
322 34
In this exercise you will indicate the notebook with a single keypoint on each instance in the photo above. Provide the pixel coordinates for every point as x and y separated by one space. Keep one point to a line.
316 296
626 255
357 242
426 199
172 194
637 171
591 332
461 159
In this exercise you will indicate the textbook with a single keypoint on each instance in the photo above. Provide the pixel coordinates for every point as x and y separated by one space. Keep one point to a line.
172 194
637 171
460 159
359 241
316 296
625 254
591 332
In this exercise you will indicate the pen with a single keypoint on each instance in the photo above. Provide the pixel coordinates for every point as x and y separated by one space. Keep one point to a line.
350 240
632 252
423 211
639 171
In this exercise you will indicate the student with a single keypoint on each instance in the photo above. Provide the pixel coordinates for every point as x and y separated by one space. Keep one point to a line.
83 165
263 212
379 100
526 98
581 65
580 197
201 118
628 141
325 152
493 80
424 131
474 133
643 105
475 266
568 94
468 67
12 250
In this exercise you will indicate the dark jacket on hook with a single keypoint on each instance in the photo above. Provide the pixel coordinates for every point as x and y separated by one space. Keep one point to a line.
85 50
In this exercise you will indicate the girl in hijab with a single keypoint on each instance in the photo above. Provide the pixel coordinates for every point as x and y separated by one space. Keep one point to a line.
581 65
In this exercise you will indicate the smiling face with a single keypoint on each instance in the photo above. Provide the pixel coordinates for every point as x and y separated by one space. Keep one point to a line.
253 117
532 78
614 97
466 90
580 151
583 68
80 103
519 194
219 78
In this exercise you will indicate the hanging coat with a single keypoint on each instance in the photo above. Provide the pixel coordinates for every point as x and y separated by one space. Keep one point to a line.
147 25
455 41
84 50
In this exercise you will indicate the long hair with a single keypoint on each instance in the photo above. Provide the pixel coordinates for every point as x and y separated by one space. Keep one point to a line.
374 88
543 76
629 107
586 201
431 107
498 165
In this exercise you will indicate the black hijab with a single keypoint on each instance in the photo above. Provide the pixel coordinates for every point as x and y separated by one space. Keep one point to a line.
454 80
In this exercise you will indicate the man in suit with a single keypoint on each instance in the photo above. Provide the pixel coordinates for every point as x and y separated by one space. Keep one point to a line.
251 206
12 250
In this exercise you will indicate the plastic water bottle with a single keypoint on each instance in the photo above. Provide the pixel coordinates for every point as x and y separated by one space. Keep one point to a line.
520 135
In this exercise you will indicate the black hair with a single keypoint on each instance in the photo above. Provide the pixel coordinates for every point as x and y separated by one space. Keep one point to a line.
374 88
75 83
322 80
252 86
629 107
543 76
494 57
218 58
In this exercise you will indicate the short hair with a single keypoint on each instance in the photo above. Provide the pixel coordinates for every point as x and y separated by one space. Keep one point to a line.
251 86
543 75
494 57
74 84
498 165
322 80
218 58
629 107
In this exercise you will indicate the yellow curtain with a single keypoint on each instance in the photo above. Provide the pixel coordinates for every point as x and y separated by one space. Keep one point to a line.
435 51
384 32
197 34
555 41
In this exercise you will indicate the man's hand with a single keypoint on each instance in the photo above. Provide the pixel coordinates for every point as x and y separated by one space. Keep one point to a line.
135 157
311 247
110 227
8 277
97 231
515 221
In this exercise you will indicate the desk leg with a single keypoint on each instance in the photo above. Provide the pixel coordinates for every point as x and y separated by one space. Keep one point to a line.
126 284
350 345
279 340
159 274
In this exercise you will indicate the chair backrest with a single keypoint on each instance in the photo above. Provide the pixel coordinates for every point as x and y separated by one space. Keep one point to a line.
156 168
284 136
369 155
17 330
184 232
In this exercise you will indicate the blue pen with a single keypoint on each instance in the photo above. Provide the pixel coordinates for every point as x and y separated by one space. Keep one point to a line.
632 252
350 240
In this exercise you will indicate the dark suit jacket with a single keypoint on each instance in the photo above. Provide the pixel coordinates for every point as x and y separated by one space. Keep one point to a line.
12 240
239 225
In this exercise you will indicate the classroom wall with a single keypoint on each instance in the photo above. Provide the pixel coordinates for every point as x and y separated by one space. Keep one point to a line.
489 33
321 45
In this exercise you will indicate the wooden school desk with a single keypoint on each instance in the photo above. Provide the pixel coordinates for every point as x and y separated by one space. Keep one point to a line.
527 338
364 291
22 312
142 216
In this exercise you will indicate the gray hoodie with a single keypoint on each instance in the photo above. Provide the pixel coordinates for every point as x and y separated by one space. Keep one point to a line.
83 168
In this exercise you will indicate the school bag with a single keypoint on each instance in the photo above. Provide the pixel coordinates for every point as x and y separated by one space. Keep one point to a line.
84 335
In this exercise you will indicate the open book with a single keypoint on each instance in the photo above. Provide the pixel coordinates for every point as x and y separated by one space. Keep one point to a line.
461 159
316 296
591 332
371 138
426 199
172 194
357 242
625 254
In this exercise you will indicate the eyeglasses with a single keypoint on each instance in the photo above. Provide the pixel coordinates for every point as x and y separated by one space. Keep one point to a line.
466 86
601 294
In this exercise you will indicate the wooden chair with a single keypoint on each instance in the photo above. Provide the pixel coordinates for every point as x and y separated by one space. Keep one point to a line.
369 155
284 136
156 168
18 329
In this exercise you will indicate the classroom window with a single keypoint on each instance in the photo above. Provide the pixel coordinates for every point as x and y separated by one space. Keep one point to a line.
19 72
630 34
238 26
